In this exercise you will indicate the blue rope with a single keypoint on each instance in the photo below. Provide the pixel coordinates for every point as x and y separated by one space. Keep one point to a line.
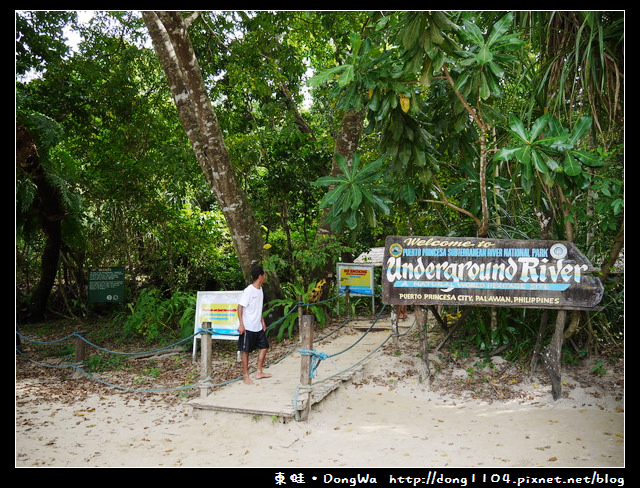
316 357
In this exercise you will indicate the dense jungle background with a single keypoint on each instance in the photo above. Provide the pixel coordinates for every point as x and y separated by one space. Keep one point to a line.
185 146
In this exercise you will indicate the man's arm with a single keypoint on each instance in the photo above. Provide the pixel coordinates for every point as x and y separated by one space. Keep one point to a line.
241 323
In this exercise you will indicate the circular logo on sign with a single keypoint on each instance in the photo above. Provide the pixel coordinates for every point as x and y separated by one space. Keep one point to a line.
558 251
395 250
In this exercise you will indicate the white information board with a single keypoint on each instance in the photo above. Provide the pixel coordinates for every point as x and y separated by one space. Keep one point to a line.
220 309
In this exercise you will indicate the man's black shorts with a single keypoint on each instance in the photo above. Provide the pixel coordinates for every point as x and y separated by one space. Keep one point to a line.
250 341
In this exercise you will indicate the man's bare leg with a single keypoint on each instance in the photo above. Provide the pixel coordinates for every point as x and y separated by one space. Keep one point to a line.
262 353
245 368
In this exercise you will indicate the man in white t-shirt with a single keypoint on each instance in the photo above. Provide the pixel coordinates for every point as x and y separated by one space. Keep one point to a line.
252 325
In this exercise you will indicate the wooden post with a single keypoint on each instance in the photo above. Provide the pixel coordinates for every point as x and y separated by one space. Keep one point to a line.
553 354
394 325
538 346
80 353
422 323
300 312
306 344
205 358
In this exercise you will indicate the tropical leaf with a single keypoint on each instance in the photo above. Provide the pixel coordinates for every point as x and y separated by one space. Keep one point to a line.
354 192
552 155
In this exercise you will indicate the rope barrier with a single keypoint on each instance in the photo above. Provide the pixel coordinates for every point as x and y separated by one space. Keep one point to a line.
317 357
308 388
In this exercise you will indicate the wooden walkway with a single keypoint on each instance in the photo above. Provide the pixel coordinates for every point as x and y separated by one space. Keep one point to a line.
281 395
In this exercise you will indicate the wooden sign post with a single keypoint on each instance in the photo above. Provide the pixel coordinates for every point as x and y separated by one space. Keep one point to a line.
306 344
205 357
466 271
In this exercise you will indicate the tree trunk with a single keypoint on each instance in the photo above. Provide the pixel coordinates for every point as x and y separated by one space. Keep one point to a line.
51 210
552 355
346 144
615 251
422 323
483 228
174 49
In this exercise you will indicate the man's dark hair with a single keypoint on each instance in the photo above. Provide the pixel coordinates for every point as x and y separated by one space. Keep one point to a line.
256 271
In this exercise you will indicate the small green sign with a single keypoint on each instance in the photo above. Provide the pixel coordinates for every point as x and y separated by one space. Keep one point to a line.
106 285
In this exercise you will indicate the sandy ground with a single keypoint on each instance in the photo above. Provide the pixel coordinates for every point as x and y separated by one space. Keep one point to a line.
385 418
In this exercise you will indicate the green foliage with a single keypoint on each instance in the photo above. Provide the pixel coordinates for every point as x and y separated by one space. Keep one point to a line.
550 153
192 246
355 193
351 79
158 319
485 338
296 295
487 57
103 362
424 42
599 369
40 38
145 202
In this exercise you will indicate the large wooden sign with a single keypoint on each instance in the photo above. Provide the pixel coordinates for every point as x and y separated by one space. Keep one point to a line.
487 272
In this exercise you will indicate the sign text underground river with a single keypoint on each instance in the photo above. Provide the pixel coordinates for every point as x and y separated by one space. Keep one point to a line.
487 272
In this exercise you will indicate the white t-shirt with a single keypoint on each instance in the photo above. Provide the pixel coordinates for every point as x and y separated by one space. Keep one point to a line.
251 302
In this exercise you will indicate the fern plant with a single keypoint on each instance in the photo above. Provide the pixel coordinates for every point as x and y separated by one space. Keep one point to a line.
297 295
156 318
